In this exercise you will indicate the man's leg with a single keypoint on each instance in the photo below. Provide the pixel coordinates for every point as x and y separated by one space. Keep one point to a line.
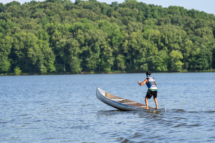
156 103
146 101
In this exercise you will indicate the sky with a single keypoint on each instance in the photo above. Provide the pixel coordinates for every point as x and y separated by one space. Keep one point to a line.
200 5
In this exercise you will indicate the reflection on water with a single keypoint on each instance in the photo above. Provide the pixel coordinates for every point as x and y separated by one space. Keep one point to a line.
64 108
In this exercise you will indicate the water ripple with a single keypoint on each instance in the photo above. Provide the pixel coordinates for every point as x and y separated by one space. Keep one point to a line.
63 108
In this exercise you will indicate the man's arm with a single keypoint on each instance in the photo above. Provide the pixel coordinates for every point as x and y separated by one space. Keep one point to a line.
145 81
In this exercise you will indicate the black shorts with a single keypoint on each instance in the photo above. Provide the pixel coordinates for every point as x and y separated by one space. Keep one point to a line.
150 93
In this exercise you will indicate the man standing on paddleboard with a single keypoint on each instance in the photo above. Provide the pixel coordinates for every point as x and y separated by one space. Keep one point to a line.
152 88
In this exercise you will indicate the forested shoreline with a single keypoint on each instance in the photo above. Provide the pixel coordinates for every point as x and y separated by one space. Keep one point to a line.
58 36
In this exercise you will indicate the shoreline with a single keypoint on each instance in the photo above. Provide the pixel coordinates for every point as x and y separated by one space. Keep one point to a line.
113 72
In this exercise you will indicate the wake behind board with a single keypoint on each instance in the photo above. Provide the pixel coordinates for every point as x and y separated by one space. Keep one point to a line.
121 103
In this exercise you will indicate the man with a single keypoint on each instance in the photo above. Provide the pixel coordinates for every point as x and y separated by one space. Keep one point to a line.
152 89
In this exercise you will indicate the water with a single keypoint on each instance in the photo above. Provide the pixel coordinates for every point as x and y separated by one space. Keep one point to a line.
64 108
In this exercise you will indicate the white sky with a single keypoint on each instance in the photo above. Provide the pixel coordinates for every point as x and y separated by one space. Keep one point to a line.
201 5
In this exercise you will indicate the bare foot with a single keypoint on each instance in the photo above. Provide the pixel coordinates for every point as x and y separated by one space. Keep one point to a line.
156 108
147 107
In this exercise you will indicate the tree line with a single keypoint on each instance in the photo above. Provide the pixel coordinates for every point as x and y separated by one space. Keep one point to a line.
58 36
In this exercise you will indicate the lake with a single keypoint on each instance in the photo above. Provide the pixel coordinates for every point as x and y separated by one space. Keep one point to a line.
64 108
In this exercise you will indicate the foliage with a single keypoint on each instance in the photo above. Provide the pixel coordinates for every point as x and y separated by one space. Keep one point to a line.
17 71
58 36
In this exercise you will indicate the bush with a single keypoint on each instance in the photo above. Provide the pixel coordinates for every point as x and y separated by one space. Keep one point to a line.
17 71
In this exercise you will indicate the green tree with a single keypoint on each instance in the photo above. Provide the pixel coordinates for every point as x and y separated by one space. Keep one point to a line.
131 1
204 59
5 49
160 61
17 71
74 60
2 7
175 60
89 36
